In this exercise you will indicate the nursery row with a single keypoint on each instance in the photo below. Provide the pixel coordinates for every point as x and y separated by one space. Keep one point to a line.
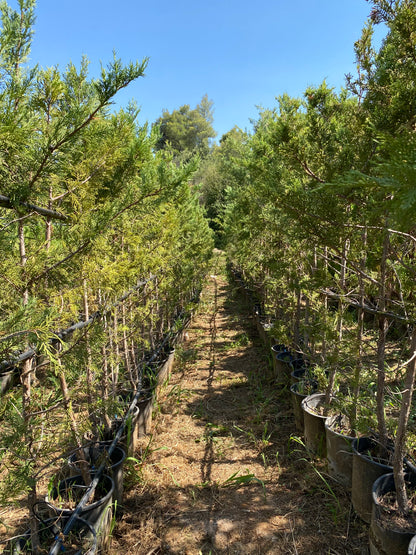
85 496
316 212
359 461
104 245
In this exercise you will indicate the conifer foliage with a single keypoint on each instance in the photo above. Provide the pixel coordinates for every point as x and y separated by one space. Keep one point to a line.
321 224
100 235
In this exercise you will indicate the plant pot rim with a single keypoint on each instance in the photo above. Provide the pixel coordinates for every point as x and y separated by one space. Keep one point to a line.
61 519
279 348
389 478
91 506
373 441
328 425
310 408
294 386
102 446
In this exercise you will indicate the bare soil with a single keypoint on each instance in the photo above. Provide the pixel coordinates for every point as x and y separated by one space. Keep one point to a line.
224 471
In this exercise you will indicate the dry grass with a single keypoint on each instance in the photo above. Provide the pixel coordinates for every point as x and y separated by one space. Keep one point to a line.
220 474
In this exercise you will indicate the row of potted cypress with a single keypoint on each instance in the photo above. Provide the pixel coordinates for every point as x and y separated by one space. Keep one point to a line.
81 507
362 463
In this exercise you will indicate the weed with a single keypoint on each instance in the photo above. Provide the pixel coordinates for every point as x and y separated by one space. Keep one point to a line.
252 438
240 340
179 393
242 480
170 474
184 356
134 466
200 411
334 506
266 435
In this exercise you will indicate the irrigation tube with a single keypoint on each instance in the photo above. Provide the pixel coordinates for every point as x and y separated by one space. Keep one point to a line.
57 545
6 364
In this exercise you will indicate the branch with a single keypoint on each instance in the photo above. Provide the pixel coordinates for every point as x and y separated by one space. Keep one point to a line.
68 257
308 170
53 148
366 308
135 203
7 203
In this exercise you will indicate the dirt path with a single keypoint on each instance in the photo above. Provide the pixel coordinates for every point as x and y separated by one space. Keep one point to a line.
221 474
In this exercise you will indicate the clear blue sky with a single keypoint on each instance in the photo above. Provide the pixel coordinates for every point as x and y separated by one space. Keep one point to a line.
242 54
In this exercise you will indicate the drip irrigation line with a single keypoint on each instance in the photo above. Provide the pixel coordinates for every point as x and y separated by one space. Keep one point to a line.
61 335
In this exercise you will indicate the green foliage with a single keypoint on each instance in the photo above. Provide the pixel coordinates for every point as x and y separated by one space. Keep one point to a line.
89 211
186 132
316 211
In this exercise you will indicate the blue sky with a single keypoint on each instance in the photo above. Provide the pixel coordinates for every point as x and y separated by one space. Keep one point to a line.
242 54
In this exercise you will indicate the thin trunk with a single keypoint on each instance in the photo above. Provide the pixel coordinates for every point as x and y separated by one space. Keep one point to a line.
323 349
133 375
48 230
342 285
305 342
26 377
113 364
126 353
89 372
381 343
400 441
296 326
360 335
104 376
330 387
116 347
72 420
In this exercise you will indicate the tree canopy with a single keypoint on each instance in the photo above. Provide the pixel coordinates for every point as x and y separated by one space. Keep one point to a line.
187 132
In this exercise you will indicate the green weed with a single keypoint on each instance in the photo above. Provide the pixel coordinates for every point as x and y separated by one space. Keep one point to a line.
242 480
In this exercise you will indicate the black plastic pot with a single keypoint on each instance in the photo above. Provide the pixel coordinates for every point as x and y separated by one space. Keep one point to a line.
95 454
298 374
276 350
98 513
384 538
283 367
314 424
299 391
144 422
128 439
50 529
166 368
8 378
365 471
140 423
338 451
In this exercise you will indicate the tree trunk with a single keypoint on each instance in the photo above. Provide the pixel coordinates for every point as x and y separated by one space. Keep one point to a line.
381 343
89 373
72 421
400 442
360 333
296 327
